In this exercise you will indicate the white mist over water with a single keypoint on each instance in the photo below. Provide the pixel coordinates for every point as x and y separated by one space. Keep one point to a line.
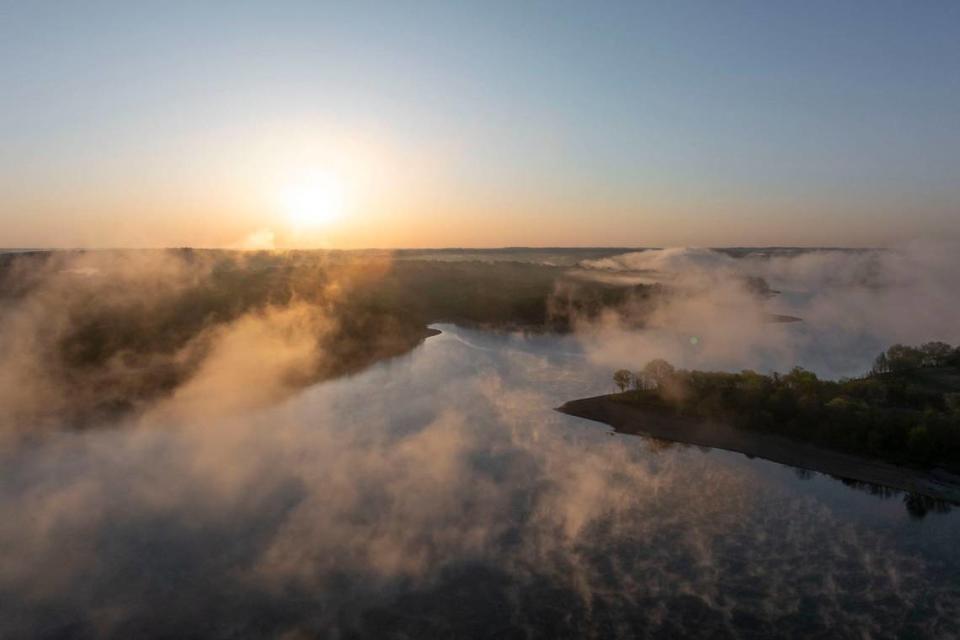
439 490
443 483
853 305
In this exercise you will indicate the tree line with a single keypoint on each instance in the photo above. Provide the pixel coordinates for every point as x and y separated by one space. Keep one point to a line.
905 409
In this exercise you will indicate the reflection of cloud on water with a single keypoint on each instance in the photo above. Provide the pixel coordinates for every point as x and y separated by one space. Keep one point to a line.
434 495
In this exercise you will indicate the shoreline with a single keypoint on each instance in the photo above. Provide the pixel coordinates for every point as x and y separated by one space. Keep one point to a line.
630 419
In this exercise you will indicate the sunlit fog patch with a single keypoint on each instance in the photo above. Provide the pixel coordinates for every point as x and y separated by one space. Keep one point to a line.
852 303
673 262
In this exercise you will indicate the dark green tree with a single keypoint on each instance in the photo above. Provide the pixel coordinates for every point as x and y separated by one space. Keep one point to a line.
936 354
903 358
658 370
881 365
622 378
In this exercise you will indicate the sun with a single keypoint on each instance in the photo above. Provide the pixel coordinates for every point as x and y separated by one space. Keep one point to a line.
315 199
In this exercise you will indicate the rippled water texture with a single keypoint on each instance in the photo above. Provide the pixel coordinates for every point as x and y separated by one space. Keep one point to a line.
439 494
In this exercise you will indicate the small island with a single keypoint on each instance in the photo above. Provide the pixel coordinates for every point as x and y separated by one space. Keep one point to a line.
897 426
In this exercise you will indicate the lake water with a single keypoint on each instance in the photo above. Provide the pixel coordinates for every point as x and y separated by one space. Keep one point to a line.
440 495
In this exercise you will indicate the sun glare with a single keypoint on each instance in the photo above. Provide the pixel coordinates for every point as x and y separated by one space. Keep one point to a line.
315 199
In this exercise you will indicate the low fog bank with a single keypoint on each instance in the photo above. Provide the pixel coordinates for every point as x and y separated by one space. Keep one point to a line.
853 305
436 494
88 337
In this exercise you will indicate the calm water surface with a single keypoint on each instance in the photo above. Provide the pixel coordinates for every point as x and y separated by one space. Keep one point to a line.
439 495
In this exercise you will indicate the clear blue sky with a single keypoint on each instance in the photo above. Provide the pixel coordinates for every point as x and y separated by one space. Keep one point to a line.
157 123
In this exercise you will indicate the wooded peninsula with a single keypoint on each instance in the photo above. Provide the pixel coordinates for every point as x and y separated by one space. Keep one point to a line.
897 425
